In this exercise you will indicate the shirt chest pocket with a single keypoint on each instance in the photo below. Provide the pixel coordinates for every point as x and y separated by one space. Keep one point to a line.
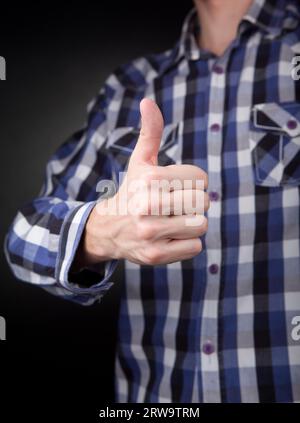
275 143
122 140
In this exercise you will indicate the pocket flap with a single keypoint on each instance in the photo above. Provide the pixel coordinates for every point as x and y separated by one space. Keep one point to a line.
122 140
277 117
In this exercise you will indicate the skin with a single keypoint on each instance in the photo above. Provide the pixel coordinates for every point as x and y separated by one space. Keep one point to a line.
161 239
219 20
143 238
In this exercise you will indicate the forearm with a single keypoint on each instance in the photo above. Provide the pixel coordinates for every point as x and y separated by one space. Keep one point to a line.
43 241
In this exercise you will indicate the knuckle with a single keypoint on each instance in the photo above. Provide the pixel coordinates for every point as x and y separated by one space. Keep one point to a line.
145 230
150 176
202 175
205 179
196 247
206 201
204 225
153 256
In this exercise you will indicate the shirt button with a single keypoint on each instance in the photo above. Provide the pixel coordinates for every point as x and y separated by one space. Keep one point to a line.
214 196
208 348
213 268
195 55
218 69
215 127
292 124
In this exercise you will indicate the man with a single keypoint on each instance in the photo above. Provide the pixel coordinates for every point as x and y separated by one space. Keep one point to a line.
198 322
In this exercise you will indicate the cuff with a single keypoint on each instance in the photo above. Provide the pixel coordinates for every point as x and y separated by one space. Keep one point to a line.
70 236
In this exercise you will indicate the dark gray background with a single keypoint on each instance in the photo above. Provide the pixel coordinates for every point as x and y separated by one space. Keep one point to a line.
57 58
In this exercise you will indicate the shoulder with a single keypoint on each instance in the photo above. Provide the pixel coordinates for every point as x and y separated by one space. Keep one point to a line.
123 89
292 26
139 72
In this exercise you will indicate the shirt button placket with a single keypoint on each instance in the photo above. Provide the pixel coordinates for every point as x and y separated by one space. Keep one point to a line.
209 340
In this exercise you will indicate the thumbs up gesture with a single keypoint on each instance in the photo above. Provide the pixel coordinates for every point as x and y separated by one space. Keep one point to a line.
156 217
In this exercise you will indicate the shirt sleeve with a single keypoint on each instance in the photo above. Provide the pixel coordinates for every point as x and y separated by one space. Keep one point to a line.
44 237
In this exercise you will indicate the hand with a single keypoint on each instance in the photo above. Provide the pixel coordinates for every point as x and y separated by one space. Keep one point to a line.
138 235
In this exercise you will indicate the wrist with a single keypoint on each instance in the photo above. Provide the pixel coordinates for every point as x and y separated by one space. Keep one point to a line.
96 245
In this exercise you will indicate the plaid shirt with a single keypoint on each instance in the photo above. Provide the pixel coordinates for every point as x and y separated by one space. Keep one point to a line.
217 328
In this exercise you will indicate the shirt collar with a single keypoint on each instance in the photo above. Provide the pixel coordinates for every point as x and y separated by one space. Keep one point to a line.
188 45
272 16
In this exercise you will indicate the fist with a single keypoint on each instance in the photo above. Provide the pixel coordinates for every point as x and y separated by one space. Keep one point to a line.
157 216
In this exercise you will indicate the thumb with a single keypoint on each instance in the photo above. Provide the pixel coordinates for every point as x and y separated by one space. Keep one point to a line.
147 146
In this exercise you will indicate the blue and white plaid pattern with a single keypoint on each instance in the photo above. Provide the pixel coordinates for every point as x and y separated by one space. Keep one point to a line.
216 328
